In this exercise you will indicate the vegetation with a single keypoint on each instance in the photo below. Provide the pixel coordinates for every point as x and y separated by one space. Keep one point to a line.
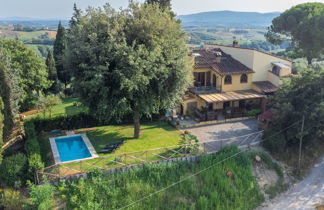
1 128
33 150
11 199
210 189
147 69
47 103
13 170
295 99
31 70
154 135
60 45
41 197
303 25
52 73
10 93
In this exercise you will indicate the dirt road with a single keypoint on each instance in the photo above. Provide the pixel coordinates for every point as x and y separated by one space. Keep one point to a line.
303 195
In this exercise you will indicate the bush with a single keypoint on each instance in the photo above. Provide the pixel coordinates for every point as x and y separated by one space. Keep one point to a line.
11 199
13 170
32 149
41 197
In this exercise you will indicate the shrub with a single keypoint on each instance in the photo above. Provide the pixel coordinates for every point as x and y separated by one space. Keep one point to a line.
32 146
41 197
33 151
13 170
35 163
11 199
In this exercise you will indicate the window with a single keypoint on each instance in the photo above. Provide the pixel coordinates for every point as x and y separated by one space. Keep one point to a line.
244 78
210 107
276 70
228 79
199 79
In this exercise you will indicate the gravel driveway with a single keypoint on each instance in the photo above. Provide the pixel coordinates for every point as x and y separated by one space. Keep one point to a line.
303 195
219 132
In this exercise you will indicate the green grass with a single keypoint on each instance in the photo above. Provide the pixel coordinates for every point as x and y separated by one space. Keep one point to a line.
153 135
210 189
65 108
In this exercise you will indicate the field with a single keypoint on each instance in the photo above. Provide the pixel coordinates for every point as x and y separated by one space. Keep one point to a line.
229 185
39 41
251 38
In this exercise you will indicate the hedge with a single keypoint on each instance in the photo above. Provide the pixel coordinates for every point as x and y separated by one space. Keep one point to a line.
32 149
13 170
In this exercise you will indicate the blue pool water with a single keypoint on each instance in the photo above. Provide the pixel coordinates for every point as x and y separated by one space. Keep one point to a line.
72 148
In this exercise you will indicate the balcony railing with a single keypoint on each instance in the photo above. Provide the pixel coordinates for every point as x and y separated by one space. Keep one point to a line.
204 90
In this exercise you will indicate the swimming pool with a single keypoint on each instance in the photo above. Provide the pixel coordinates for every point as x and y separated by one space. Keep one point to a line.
72 148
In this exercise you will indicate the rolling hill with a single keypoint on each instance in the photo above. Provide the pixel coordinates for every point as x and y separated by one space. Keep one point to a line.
228 19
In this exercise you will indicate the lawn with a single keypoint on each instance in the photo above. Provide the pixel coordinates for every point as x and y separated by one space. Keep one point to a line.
155 136
67 107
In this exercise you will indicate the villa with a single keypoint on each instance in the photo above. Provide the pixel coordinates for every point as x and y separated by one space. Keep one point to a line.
230 81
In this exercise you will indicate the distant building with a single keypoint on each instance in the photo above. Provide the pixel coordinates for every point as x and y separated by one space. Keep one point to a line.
230 81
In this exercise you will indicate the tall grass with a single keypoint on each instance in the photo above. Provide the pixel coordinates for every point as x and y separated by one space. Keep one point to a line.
211 189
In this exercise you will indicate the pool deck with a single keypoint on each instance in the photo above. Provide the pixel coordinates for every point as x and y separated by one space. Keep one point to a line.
86 140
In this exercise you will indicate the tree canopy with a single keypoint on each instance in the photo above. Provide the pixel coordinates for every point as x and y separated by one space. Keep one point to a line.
58 52
31 69
304 25
52 73
130 62
10 93
164 4
303 96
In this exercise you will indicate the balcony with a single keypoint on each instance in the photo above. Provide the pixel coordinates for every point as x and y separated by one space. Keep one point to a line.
204 90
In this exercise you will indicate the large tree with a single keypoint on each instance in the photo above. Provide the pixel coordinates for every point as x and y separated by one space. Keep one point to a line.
304 26
164 4
31 69
52 73
10 93
58 52
130 62
302 96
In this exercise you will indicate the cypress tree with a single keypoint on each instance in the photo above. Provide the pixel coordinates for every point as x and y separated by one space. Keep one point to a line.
52 73
58 53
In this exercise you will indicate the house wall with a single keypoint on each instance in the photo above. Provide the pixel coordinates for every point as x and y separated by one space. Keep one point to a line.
274 79
259 62
262 63
242 55
236 83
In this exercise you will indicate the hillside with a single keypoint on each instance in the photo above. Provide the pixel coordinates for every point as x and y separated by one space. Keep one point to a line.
229 19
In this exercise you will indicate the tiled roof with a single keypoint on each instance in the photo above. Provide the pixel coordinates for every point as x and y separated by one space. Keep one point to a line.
231 96
266 86
226 65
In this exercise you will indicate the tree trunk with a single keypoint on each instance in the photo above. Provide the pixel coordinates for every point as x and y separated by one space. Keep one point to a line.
137 125
309 60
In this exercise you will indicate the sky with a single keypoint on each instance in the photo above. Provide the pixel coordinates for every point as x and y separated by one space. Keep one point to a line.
62 9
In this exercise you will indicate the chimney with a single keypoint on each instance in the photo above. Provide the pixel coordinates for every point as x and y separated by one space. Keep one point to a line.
218 57
235 43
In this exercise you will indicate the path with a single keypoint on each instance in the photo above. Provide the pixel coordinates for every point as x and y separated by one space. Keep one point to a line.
303 195
215 134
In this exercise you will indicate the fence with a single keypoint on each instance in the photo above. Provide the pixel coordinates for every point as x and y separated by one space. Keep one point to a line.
212 122
117 162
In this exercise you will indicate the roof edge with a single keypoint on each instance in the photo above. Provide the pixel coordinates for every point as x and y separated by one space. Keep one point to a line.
245 48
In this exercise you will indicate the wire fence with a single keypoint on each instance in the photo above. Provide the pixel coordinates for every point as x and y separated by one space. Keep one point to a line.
111 162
